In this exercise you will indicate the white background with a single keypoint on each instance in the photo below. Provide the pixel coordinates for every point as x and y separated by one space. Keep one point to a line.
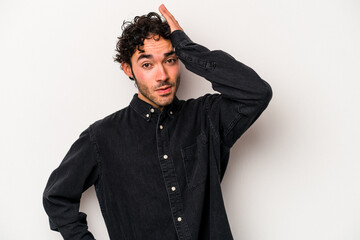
293 175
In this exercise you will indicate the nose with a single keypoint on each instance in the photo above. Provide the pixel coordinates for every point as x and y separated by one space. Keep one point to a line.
161 73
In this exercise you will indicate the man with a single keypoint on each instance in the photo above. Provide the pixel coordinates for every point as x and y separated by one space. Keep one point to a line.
158 163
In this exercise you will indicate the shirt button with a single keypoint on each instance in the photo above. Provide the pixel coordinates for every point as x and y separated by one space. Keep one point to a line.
173 188
165 156
147 115
152 110
171 113
179 219
161 127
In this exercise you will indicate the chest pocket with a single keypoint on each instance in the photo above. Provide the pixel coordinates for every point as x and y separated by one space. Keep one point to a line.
196 161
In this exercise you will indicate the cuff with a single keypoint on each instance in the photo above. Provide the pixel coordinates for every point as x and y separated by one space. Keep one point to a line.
179 38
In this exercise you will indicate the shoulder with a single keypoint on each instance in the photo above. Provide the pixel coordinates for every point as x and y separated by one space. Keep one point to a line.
109 122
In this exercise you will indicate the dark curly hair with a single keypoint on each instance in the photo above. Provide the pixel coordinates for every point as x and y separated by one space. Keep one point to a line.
134 33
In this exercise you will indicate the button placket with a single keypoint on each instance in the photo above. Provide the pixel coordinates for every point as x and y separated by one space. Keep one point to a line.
170 180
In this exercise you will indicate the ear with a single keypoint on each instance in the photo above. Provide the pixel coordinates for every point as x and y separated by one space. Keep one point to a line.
127 69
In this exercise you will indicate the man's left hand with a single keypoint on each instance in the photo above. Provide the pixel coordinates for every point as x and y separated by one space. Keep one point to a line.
174 25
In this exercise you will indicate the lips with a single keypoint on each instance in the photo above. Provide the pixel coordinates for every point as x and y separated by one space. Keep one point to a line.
164 89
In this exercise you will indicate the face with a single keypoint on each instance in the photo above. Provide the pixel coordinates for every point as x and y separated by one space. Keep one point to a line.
156 72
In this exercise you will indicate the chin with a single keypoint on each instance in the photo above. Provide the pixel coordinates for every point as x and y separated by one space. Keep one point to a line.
167 101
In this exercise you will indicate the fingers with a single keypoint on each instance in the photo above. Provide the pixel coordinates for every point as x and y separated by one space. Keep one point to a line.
174 25
167 15
163 10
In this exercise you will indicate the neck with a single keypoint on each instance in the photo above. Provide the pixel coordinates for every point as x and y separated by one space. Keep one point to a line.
140 96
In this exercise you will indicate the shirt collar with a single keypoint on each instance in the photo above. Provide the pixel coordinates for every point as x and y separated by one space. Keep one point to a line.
145 110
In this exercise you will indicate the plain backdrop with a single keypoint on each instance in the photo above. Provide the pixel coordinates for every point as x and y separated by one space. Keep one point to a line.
293 175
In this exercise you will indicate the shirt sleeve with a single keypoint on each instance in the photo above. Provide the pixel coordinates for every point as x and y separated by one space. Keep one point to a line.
243 94
61 198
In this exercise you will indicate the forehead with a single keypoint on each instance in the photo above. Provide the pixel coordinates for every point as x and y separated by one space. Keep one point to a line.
157 46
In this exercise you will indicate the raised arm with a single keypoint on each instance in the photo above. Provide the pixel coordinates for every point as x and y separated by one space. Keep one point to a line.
244 95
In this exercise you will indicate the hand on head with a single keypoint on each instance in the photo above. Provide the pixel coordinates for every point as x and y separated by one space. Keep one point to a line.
174 25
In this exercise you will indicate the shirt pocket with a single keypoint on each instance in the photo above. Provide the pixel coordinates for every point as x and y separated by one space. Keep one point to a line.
196 161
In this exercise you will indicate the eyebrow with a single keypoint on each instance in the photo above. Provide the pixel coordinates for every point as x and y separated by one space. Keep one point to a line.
149 56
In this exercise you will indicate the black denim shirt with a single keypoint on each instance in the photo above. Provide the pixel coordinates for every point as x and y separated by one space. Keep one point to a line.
157 174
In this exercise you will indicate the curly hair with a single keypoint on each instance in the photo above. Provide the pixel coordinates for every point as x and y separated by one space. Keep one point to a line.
134 33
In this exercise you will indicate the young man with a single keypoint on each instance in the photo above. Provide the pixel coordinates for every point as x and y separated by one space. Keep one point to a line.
158 163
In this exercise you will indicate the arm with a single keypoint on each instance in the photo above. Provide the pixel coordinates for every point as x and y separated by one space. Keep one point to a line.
61 198
244 95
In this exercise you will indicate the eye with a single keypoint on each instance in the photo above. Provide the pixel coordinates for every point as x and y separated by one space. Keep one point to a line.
146 65
171 60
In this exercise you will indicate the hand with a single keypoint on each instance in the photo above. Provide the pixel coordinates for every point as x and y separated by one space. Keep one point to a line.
174 25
